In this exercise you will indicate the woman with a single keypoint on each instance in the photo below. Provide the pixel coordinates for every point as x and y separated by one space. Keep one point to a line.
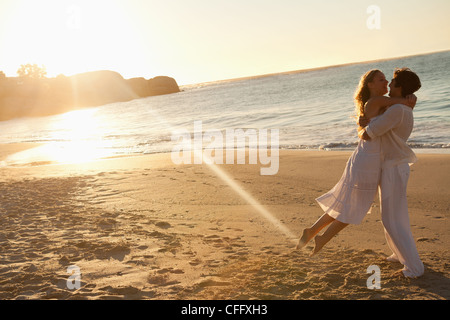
351 198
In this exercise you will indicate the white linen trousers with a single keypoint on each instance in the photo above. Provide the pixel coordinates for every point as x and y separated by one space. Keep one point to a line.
395 218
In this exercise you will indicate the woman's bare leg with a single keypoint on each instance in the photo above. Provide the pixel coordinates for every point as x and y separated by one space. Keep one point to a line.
311 232
332 230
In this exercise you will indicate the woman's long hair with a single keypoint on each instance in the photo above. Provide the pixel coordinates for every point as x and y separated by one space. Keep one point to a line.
362 93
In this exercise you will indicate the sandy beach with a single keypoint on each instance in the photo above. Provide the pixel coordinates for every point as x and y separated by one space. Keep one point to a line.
144 228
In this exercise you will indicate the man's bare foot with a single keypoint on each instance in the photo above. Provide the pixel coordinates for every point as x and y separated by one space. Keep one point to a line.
306 237
319 243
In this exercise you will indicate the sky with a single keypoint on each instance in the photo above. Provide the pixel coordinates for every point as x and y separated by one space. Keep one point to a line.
198 41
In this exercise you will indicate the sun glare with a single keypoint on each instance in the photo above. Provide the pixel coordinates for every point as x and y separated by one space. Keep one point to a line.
78 138
73 137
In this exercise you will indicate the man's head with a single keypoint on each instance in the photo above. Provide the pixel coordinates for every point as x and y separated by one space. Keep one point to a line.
403 83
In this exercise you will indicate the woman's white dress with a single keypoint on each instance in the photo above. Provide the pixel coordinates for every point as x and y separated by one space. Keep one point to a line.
352 197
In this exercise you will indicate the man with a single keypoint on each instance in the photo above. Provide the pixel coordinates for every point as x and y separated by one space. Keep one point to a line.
394 128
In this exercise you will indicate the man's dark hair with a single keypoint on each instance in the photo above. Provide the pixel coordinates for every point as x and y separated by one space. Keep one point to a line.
408 80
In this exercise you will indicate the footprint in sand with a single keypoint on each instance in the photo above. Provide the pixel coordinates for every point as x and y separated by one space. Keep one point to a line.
195 262
163 225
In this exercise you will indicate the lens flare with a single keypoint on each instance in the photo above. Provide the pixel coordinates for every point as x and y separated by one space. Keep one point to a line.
247 197
252 201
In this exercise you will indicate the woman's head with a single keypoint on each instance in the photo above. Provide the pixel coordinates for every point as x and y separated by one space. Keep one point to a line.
372 83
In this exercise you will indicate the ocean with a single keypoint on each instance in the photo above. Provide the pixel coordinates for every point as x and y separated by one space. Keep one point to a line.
312 110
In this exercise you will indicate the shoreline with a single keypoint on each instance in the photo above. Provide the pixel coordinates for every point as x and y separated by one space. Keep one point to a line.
9 149
144 228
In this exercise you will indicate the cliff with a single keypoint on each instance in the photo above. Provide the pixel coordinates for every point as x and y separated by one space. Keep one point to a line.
21 97
153 87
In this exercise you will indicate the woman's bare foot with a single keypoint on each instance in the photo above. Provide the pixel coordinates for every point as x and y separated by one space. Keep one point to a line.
319 243
399 274
306 237
393 258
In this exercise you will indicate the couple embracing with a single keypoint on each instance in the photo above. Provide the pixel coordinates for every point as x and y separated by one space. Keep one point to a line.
380 162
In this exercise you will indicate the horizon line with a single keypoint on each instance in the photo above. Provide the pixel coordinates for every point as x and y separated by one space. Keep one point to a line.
267 74
312 69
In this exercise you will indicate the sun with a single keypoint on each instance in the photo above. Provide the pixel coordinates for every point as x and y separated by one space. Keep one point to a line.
70 37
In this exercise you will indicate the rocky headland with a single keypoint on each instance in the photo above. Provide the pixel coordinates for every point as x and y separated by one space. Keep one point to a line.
28 97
